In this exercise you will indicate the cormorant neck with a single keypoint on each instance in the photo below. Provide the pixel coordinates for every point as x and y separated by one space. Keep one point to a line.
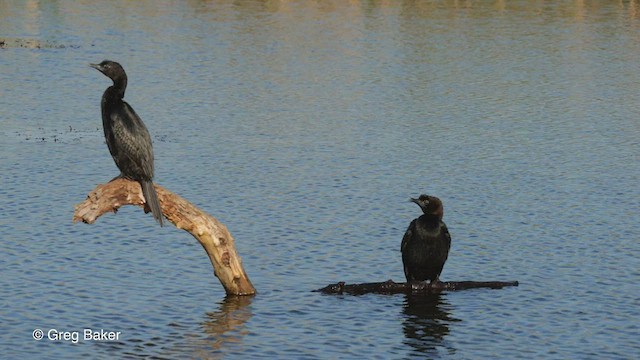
120 85
112 95
438 213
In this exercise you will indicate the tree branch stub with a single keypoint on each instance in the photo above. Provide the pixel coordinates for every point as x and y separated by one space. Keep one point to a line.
214 236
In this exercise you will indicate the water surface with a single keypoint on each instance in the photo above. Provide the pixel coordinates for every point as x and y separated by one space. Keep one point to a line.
305 127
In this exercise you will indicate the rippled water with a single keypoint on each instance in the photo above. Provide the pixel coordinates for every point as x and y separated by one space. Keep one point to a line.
305 127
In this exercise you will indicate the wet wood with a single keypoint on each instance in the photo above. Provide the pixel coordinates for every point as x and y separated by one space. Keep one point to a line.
391 287
214 236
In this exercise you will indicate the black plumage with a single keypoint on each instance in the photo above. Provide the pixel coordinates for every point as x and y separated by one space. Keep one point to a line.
127 137
425 245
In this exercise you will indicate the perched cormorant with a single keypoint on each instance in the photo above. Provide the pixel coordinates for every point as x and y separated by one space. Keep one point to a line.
425 245
127 138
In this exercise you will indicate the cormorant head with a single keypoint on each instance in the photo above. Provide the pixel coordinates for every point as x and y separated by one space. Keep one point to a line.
113 70
430 205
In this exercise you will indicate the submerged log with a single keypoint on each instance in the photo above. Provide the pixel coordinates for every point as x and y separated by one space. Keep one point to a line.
417 287
210 233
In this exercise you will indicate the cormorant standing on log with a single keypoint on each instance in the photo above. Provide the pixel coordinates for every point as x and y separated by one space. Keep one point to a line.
127 137
425 245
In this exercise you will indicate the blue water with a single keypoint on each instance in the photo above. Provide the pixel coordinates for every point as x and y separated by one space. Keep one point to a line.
305 127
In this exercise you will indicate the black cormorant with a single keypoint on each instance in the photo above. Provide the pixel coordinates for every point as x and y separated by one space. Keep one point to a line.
127 138
425 245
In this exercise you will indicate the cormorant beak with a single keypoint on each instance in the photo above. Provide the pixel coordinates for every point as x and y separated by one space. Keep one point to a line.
96 66
417 202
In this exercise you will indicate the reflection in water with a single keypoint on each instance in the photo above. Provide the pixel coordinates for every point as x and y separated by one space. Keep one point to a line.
426 324
225 327
218 333
326 100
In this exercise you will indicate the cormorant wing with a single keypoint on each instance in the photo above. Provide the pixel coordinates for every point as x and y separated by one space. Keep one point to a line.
132 141
408 234
447 236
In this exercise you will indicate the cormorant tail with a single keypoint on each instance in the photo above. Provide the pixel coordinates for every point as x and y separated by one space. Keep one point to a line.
151 199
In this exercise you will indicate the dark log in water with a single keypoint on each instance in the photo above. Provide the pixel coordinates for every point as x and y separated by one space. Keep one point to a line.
418 287
212 234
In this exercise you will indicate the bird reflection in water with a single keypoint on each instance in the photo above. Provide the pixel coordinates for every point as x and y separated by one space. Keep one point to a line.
226 326
426 324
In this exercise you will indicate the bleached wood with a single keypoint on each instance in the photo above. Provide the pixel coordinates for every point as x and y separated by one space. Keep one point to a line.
214 236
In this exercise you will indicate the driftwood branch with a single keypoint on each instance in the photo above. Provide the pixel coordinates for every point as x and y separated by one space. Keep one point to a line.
212 234
418 287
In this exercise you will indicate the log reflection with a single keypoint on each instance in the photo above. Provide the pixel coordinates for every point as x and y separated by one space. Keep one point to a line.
426 324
